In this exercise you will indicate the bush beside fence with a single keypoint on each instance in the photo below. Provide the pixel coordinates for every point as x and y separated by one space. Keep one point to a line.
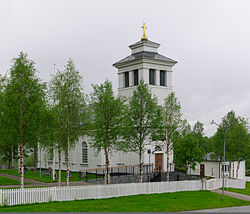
48 194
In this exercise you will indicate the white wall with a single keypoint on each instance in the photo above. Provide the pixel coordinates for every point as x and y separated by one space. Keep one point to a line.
214 169
76 164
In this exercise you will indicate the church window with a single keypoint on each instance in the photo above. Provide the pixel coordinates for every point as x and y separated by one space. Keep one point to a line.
126 75
84 152
158 149
151 76
163 78
136 77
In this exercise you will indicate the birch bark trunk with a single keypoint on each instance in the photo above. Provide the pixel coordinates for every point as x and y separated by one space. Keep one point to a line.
107 174
60 167
68 150
141 166
237 169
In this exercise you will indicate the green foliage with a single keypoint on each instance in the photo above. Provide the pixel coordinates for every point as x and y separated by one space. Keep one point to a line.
106 114
169 125
23 107
68 108
188 150
142 119
68 102
236 137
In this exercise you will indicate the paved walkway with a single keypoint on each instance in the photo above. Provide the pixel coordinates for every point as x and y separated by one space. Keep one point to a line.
38 183
233 194
242 209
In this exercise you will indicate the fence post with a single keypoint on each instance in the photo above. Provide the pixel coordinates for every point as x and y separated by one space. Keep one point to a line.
1 197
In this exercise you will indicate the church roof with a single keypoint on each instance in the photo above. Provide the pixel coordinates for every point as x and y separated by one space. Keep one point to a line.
145 54
143 42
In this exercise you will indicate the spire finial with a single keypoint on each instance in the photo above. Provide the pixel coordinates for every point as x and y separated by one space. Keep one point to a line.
144 33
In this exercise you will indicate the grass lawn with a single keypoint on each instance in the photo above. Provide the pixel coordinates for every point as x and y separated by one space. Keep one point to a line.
245 191
46 178
8 181
167 202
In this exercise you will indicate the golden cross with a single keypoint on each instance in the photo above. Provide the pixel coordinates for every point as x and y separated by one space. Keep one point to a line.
144 33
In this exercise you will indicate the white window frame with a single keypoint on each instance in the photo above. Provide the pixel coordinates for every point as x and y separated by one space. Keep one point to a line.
84 152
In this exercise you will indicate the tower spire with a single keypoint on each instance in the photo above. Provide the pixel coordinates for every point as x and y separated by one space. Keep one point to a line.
144 37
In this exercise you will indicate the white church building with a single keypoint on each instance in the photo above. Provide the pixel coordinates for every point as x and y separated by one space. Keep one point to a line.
144 63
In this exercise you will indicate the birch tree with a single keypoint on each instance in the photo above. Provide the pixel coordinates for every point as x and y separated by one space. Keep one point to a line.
69 102
171 124
142 120
8 146
187 150
26 98
237 141
106 126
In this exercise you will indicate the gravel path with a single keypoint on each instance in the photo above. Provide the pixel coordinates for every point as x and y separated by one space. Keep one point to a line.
242 209
233 194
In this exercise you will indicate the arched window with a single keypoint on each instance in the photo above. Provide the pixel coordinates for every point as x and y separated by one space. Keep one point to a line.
84 152
158 149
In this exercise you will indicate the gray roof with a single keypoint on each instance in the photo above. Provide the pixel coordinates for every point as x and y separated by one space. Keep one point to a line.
145 41
145 54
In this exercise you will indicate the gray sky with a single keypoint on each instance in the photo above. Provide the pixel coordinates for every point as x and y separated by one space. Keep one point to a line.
210 39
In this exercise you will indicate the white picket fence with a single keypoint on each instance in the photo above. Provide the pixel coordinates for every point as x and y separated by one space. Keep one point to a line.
47 194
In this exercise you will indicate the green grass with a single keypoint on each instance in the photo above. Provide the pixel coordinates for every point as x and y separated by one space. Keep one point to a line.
47 178
8 181
245 191
167 202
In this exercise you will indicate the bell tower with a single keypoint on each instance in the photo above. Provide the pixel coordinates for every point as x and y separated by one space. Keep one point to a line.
145 63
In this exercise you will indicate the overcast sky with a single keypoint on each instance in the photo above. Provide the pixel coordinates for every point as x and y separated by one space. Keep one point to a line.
210 39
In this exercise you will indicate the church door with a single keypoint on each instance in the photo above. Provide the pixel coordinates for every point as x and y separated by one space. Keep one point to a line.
202 170
158 161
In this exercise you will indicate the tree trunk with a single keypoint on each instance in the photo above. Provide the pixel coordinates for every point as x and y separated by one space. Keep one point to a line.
18 160
12 158
230 164
107 174
68 150
22 168
21 148
141 166
35 158
9 160
237 169
233 169
60 167
167 154
53 168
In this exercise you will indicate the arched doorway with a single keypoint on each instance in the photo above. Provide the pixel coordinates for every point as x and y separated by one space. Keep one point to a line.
158 158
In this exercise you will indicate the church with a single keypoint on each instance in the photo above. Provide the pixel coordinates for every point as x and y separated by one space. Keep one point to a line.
144 63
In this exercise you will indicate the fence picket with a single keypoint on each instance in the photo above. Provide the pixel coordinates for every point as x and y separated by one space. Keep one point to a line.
46 194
